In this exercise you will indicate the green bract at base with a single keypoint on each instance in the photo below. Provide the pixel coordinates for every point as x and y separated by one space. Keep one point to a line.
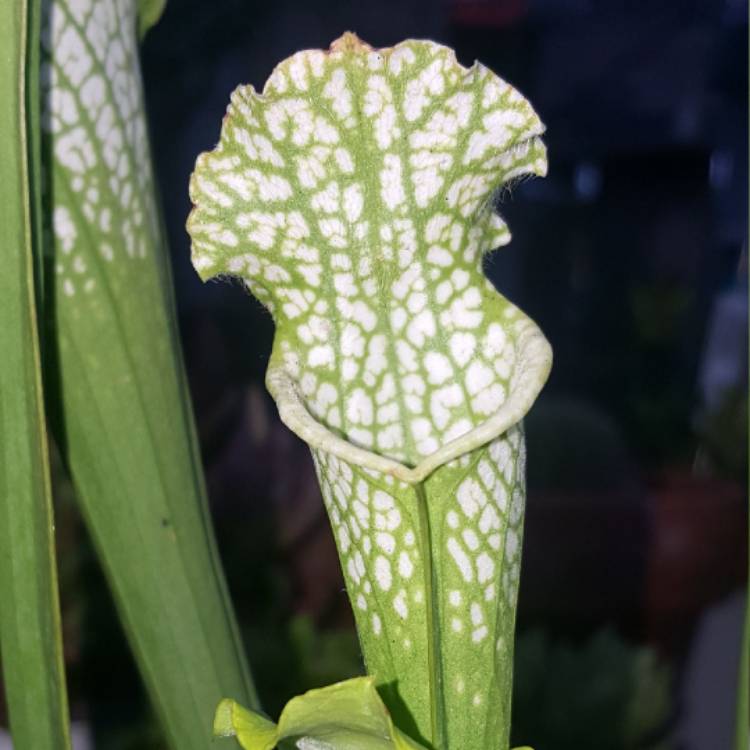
343 716
355 198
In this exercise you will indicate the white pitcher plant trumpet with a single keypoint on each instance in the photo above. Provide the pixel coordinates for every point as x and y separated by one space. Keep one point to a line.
355 199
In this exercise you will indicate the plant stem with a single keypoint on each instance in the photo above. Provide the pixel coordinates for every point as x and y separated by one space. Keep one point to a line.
435 667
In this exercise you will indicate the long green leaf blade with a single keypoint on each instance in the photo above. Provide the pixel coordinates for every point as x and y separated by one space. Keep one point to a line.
125 424
30 637
349 714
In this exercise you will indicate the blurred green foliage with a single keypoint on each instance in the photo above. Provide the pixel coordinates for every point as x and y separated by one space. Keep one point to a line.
602 694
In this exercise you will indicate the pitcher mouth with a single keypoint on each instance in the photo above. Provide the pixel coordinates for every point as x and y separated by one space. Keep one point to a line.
531 370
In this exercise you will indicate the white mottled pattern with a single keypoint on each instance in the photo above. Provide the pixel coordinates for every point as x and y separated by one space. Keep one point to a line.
93 121
354 197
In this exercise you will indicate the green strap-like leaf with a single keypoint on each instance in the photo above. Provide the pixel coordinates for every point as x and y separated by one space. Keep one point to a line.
30 637
343 716
125 423
354 197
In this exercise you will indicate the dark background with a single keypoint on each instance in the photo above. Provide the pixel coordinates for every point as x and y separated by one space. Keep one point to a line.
632 257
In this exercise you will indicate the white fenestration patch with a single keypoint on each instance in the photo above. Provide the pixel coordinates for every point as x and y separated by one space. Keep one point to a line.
405 565
391 182
485 568
65 230
461 559
383 573
470 497
353 202
400 605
